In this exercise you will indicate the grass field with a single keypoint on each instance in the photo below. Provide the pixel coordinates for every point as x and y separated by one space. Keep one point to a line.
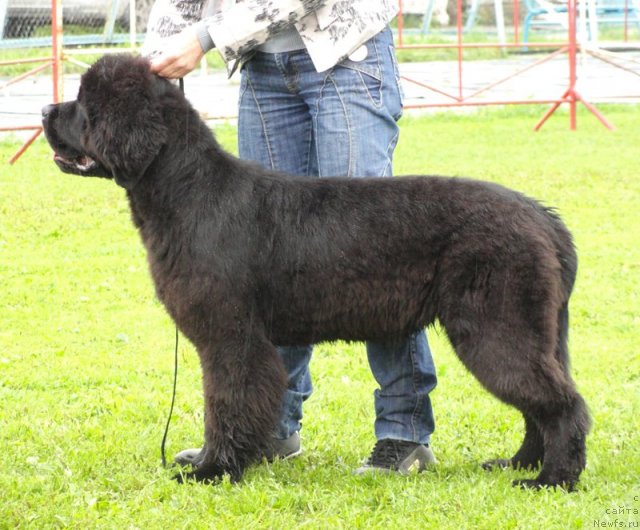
86 359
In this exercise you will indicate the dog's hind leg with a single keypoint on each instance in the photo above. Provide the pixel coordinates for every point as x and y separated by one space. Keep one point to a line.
515 356
244 382
530 454
563 429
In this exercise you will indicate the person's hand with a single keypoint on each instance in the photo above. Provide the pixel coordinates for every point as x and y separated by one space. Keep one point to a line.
180 54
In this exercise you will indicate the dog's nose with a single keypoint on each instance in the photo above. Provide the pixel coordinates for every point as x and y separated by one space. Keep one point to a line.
46 110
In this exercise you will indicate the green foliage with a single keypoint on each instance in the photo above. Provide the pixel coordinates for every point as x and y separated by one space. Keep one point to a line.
86 358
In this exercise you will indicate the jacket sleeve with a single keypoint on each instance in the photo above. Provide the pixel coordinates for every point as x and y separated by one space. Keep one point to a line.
245 25
168 17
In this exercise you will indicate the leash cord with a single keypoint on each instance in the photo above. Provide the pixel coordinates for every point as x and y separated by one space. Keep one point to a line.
175 366
173 400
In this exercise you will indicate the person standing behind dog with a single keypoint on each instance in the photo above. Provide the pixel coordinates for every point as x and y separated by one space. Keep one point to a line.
319 96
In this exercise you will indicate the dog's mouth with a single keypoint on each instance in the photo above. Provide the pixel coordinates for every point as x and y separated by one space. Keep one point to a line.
80 163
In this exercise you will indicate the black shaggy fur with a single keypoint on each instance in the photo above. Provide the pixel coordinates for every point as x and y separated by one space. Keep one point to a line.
244 259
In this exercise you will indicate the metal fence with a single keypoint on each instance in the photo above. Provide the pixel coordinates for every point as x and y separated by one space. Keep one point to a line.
455 79
27 23
34 24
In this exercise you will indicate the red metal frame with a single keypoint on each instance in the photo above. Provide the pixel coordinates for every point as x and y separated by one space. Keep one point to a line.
570 96
55 62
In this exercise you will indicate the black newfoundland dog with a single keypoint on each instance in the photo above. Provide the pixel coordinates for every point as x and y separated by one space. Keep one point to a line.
245 259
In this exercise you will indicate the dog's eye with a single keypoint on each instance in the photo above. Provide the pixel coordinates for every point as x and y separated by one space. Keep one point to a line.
81 117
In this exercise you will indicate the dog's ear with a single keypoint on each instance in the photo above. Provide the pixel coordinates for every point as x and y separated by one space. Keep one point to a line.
126 127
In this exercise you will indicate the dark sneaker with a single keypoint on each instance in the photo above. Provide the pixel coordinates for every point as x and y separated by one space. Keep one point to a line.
397 456
284 449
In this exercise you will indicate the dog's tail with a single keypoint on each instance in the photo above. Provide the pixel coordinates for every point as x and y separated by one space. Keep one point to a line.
568 259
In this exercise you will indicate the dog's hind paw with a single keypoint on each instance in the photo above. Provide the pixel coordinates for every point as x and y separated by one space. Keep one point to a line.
498 463
535 484
528 484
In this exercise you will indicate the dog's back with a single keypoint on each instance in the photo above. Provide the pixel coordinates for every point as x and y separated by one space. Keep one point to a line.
370 258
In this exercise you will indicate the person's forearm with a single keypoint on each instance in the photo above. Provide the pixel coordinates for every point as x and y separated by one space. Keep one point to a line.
177 39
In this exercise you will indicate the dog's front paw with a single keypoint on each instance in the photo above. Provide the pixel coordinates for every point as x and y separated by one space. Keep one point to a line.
200 473
207 473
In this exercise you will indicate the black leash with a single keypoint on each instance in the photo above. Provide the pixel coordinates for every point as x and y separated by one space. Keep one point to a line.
173 400
175 367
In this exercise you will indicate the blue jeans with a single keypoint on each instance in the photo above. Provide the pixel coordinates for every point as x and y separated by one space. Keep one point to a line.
338 122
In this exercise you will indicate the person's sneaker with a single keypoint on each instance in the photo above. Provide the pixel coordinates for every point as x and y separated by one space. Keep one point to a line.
284 449
186 457
397 456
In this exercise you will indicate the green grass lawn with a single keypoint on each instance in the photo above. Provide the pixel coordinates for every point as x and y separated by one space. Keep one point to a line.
86 358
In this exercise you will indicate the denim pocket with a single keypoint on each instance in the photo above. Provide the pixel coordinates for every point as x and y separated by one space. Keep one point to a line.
369 73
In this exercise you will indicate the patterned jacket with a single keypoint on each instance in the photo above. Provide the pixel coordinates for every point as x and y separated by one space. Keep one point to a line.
330 29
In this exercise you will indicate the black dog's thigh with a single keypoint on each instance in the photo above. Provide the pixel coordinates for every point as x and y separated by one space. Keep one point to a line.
506 331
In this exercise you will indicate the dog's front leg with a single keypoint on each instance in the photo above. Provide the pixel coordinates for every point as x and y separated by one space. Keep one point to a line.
244 382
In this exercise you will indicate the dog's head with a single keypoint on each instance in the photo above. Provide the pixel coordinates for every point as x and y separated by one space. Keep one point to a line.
115 127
